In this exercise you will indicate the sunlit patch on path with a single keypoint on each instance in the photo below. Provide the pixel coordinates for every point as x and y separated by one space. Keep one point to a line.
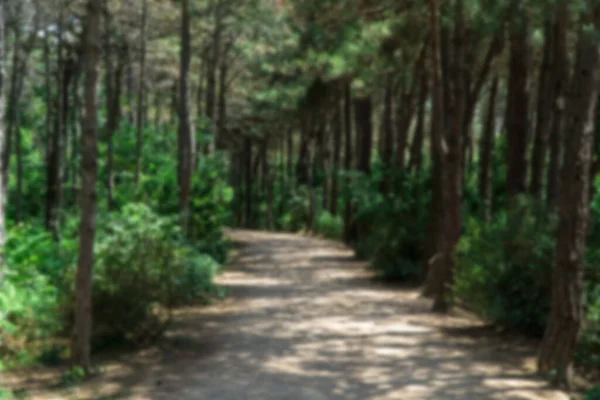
305 321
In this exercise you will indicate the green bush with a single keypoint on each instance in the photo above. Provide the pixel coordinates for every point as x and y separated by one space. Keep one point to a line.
396 226
30 295
143 269
330 226
504 268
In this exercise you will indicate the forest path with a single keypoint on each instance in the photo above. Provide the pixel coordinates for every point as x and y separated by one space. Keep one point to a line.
304 321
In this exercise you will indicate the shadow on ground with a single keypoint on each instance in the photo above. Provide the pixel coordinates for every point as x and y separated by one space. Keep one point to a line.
306 321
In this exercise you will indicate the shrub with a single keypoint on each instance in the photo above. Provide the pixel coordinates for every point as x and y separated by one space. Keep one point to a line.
330 226
143 268
397 225
504 268
30 296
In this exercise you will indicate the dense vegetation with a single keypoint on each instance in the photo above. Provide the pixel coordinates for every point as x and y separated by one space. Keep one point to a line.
450 143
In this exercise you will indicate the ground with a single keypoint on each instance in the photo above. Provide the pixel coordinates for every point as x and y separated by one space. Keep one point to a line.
305 321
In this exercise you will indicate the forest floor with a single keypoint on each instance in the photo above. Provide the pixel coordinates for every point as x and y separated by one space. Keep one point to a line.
305 321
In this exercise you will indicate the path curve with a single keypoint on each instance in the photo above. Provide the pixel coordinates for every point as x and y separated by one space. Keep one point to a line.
305 322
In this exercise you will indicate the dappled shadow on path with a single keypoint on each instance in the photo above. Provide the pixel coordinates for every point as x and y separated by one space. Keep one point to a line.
306 321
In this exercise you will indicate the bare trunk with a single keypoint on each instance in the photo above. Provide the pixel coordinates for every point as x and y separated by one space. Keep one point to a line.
211 82
558 346
544 114
186 143
487 149
348 159
337 152
388 135
139 120
53 167
416 149
518 103
89 165
248 217
3 190
560 74
436 241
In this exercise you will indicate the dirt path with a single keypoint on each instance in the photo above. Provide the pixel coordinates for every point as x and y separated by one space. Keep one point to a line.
304 322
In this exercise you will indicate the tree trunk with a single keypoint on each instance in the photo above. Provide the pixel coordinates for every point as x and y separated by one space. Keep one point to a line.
3 191
89 165
200 92
337 149
222 103
363 111
186 146
211 82
487 148
416 148
348 160
139 120
560 74
544 115
248 218
388 136
441 275
290 153
518 103
53 166
558 346
436 244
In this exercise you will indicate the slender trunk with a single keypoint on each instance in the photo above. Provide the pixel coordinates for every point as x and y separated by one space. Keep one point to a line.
248 218
290 152
443 272
363 111
53 167
388 136
518 103
560 74
436 238
222 104
303 165
186 145
544 114
487 148
416 149
558 346
3 190
337 149
139 144
348 160
211 82
12 107
110 98
200 92
89 165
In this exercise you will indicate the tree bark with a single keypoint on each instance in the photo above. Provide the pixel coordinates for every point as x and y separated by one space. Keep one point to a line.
487 148
139 120
53 166
211 82
248 217
436 240
416 148
348 159
3 191
89 165
388 136
560 75
558 346
518 102
363 112
337 152
544 114
186 143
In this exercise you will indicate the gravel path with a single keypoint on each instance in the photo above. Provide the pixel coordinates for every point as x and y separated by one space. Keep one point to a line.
305 322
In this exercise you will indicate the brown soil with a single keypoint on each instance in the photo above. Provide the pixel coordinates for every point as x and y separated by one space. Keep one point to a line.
304 321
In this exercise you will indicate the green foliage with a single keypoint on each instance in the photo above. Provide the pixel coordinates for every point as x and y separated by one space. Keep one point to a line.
504 268
593 394
329 226
143 268
397 225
